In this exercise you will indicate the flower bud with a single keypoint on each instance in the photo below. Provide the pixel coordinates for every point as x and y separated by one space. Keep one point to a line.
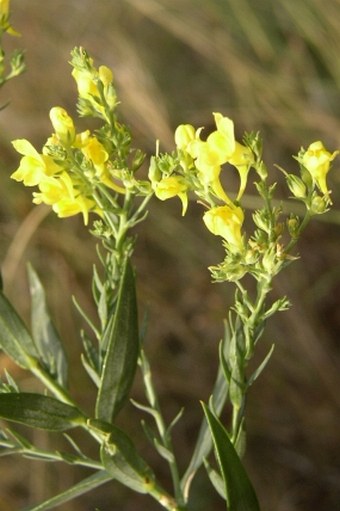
296 186
63 125
184 134
319 205
293 225
105 75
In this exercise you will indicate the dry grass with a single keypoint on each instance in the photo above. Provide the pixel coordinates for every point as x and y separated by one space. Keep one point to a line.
272 67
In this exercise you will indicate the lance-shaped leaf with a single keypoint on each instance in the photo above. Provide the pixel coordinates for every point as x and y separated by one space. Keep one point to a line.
15 339
121 459
204 441
86 485
39 411
240 493
44 332
120 361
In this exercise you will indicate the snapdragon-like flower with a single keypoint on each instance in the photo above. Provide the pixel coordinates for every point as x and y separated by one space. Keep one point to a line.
34 167
62 194
219 148
226 221
168 186
317 160
171 186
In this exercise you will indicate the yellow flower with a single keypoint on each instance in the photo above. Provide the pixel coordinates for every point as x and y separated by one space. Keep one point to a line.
63 125
4 9
184 134
242 158
61 193
87 85
4 17
105 75
34 167
69 206
226 221
94 151
53 189
317 160
169 187
219 148
85 81
225 129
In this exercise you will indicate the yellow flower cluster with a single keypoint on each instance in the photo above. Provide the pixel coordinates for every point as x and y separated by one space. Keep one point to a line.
200 164
95 87
62 183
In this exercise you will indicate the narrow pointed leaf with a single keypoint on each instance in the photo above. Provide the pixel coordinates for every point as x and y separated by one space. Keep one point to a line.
204 440
86 485
216 480
120 361
121 459
15 339
261 367
240 493
39 411
44 333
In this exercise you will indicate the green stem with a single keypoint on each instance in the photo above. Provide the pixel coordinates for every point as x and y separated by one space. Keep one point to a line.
247 342
162 429
50 383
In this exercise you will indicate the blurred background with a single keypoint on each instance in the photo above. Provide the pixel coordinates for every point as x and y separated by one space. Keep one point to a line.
272 66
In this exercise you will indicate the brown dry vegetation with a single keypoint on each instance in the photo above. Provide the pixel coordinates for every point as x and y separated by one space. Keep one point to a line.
275 68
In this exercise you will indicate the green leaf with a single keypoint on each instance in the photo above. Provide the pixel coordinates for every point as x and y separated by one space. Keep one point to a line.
39 411
15 339
204 440
90 359
44 332
215 479
84 486
120 361
261 367
120 458
240 493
